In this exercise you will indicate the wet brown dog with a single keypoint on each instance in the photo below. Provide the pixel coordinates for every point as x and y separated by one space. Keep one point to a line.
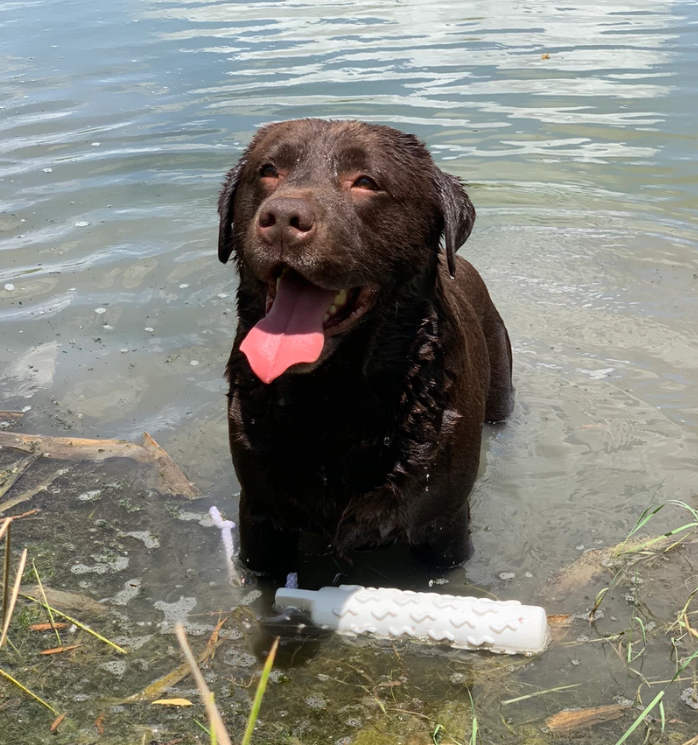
366 360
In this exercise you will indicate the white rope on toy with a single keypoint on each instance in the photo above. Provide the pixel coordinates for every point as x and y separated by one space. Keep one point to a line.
292 581
226 527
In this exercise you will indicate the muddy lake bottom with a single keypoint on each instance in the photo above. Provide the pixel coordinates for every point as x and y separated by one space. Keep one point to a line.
129 563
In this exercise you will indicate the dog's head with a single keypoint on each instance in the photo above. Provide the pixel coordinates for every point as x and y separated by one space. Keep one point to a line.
326 220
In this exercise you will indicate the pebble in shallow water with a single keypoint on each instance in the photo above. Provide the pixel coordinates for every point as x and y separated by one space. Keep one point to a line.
251 597
146 536
132 642
117 565
690 697
130 591
177 612
116 667
316 702
236 658
88 496
203 518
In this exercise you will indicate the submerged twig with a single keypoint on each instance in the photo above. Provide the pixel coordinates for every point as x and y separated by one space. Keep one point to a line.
46 605
571 720
56 722
59 650
76 622
155 689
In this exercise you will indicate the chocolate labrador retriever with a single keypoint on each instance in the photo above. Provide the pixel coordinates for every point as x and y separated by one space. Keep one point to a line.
366 359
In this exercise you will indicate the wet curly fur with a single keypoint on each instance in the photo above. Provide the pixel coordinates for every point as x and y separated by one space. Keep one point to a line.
379 440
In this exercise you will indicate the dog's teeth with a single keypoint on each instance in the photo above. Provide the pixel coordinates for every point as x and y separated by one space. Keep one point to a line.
340 298
278 281
326 318
333 309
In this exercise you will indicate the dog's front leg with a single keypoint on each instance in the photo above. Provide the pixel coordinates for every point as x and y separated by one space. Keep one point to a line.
266 548
443 543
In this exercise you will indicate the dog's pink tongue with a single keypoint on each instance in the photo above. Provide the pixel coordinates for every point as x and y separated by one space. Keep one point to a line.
292 332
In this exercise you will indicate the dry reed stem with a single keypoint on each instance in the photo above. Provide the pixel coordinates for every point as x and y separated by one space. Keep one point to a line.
214 716
13 597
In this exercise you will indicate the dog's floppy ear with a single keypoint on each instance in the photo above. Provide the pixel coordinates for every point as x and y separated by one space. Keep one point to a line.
458 215
225 210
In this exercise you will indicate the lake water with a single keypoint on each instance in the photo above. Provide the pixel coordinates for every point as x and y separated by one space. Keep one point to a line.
575 126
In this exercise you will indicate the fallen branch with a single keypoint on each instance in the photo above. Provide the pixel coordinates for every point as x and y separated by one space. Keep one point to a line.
8 504
16 473
171 480
10 416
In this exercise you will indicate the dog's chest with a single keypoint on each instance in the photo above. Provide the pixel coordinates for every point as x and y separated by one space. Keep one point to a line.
332 443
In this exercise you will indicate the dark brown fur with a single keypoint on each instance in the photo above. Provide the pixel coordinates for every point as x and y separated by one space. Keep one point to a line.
380 439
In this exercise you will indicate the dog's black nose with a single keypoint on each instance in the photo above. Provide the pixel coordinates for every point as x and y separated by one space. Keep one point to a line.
286 221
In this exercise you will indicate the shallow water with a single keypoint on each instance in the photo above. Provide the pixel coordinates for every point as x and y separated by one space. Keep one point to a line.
119 120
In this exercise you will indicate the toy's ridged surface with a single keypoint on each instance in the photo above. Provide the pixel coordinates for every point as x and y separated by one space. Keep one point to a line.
468 623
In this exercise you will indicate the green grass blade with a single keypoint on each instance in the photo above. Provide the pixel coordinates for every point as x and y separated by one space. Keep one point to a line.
473 734
259 695
205 729
214 738
539 693
641 718
662 714
28 692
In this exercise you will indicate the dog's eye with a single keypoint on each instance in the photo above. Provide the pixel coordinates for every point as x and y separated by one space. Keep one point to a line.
364 182
268 171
